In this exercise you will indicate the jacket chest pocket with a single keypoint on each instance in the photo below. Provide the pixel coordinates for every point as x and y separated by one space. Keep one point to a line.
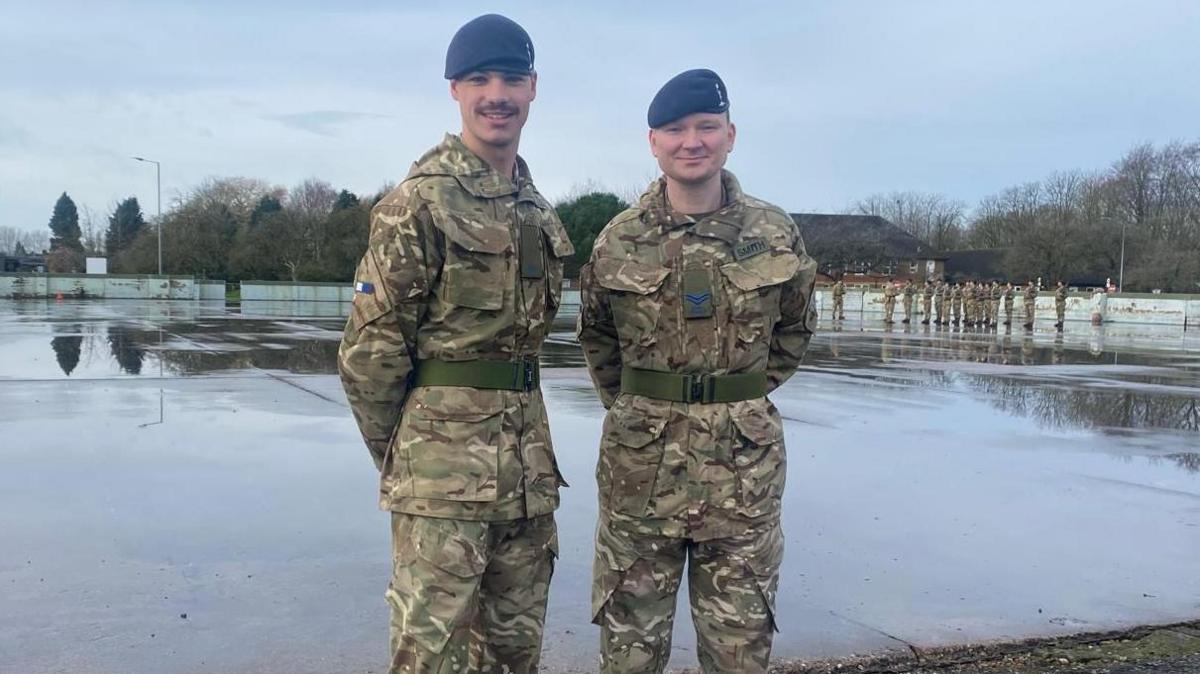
752 286
476 270
636 297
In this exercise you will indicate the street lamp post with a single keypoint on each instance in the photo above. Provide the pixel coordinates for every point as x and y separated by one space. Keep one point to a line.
158 184
1121 272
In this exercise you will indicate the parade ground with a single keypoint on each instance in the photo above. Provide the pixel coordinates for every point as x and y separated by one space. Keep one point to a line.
183 490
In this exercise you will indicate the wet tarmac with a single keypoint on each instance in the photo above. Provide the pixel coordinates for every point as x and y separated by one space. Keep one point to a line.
183 489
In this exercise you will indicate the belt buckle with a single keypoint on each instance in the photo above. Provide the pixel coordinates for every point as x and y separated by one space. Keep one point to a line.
529 378
698 388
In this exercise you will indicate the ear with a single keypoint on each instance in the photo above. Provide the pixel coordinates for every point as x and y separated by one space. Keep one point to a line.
533 85
650 139
732 135
454 89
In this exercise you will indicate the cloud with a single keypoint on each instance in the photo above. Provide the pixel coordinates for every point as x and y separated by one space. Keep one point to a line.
321 122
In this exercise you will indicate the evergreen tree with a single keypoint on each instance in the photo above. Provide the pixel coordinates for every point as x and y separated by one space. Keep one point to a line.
65 225
266 206
583 219
125 223
345 199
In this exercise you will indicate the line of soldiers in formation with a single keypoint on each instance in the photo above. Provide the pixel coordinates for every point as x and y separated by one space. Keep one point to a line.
970 304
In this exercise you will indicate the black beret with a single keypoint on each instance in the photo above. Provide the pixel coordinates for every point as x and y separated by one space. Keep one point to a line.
489 42
690 91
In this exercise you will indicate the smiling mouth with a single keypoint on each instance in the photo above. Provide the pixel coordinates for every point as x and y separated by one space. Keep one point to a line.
497 116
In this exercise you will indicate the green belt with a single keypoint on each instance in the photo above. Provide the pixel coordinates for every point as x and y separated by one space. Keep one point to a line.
694 388
521 375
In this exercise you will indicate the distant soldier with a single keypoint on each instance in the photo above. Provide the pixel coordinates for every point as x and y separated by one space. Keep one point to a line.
910 292
956 302
1009 294
941 301
927 302
889 300
839 300
1060 304
969 304
994 310
1030 298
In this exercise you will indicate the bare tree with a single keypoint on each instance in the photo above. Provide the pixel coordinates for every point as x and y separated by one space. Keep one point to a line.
932 218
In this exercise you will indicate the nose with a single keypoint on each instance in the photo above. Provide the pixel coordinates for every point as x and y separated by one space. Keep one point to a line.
495 91
691 139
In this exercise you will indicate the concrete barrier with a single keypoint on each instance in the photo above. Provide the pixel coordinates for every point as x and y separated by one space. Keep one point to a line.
108 286
284 291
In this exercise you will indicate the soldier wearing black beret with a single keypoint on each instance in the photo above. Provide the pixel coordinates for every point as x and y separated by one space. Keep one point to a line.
695 304
439 360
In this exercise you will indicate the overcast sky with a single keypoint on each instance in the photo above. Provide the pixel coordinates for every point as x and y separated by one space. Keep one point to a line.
833 100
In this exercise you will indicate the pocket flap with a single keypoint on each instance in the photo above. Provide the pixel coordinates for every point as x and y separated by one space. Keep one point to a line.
773 268
560 243
455 403
478 235
757 421
636 426
628 276
450 551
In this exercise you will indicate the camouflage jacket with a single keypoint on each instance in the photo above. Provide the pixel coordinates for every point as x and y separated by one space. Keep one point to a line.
442 279
957 293
839 289
890 291
928 291
694 470
909 291
1060 295
1030 294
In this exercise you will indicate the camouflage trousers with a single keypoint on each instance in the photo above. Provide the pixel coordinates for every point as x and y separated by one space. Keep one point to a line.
839 303
927 308
732 583
908 307
889 308
469 596
958 307
1030 310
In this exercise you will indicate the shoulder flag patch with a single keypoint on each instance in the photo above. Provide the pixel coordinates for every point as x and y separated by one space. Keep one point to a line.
749 248
364 287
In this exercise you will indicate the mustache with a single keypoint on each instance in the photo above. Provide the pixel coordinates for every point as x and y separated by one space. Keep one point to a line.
500 108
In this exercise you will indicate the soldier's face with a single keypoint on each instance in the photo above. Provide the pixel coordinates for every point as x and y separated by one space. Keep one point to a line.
494 105
692 150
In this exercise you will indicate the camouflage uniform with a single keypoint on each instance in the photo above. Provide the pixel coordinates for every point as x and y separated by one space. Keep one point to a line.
927 303
463 264
728 295
1030 301
1009 294
1060 304
945 298
839 300
996 293
889 301
910 292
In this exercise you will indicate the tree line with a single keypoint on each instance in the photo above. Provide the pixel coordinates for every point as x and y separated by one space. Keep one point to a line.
1068 225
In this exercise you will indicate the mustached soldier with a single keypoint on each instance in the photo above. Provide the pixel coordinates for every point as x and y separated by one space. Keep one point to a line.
696 303
455 294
